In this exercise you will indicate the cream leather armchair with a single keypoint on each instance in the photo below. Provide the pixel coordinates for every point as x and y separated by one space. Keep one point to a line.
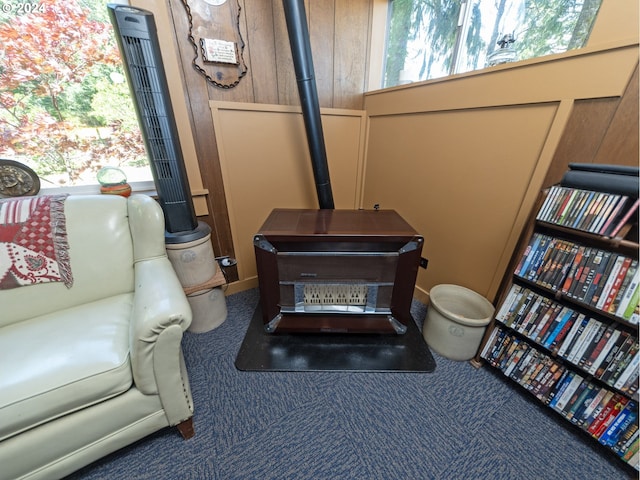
88 368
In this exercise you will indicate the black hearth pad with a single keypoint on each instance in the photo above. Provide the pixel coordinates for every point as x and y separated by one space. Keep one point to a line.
301 352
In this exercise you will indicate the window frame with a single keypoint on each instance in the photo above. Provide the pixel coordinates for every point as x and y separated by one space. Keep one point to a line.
381 17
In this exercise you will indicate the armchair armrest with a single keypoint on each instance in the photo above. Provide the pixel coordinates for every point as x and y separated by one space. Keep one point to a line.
161 313
159 303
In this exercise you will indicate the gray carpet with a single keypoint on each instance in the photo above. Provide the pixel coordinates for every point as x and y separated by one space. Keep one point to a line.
454 423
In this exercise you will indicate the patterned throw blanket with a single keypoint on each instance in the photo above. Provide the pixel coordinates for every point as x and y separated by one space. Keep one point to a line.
33 242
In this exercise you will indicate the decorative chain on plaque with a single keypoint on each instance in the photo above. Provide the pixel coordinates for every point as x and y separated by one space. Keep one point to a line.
214 33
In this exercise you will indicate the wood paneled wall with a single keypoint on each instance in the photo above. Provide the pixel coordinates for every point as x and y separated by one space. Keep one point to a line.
340 36
600 130
471 152
249 133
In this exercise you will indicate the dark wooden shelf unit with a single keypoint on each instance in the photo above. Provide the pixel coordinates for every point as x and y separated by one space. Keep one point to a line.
543 359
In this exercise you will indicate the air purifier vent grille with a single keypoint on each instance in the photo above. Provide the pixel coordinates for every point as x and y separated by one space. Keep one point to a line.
137 38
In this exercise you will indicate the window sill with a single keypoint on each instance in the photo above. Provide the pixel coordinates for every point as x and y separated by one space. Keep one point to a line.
146 188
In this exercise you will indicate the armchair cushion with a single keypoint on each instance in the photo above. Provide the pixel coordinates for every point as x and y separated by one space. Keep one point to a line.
76 358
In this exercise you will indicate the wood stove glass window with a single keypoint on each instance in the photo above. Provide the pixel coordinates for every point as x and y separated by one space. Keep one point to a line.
344 282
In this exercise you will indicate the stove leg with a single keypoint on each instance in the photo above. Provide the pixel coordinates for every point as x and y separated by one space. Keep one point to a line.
273 324
397 326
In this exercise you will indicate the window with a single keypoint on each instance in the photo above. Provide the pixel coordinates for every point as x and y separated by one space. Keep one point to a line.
433 38
65 106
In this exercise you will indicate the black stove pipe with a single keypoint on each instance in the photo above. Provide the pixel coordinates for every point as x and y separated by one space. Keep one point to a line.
303 63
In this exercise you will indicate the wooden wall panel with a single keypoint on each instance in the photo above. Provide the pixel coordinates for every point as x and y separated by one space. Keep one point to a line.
353 19
592 115
262 52
286 78
268 141
620 143
600 130
459 181
321 32
339 36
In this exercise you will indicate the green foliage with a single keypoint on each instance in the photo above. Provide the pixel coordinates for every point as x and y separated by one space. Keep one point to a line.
475 43
400 13
59 106
425 32
431 23
111 104
544 26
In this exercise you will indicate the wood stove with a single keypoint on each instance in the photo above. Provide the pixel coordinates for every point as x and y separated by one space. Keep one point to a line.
346 271
327 270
